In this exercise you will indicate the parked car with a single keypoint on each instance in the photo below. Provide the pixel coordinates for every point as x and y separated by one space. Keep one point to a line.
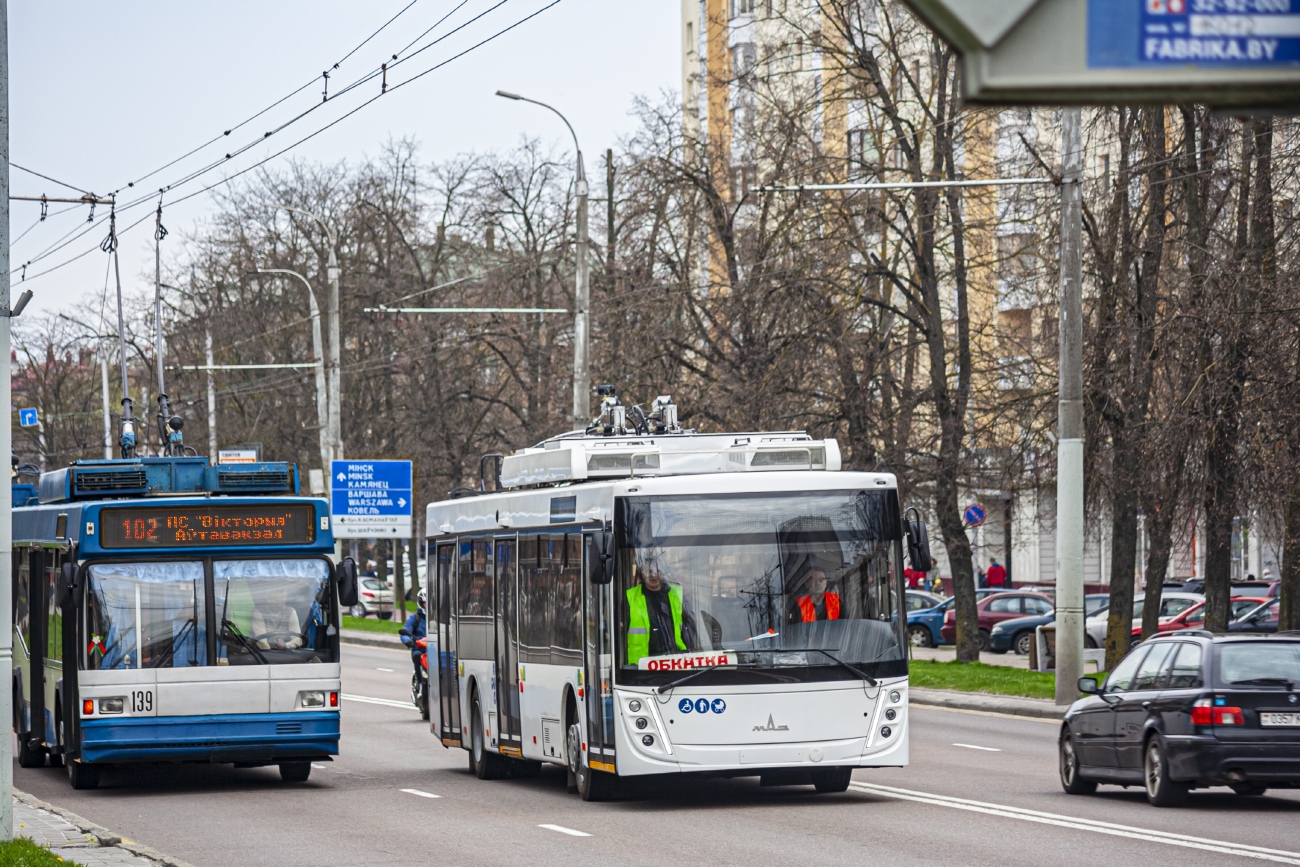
1171 603
924 624
1018 633
373 597
1188 710
1194 617
994 609
1095 602
1262 618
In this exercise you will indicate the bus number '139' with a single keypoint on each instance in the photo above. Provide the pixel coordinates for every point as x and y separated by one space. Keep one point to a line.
142 701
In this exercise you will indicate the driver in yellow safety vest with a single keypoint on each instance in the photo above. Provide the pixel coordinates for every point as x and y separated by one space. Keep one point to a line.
657 622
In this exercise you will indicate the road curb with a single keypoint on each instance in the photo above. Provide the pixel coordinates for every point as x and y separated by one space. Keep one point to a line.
370 639
104 836
1037 708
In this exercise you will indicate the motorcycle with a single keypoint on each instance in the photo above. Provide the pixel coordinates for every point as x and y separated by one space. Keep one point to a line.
420 678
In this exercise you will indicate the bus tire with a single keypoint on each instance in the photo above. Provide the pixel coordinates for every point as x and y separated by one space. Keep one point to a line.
592 785
295 772
487 765
82 775
832 779
29 757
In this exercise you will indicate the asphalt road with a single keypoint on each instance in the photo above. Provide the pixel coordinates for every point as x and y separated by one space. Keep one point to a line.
980 790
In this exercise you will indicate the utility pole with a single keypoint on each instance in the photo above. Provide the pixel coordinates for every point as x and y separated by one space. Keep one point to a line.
6 447
108 416
212 399
1069 448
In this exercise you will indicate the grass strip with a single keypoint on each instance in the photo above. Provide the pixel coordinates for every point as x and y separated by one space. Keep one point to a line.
979 677
369 625
22 852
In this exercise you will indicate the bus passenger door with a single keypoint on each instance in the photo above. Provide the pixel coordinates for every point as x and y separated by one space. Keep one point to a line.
39 601
509 739
598 671
447 681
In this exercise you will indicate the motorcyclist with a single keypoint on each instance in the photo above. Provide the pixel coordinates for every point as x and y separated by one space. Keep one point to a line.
415 628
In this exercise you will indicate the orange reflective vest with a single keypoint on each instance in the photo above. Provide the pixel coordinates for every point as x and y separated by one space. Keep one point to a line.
809 610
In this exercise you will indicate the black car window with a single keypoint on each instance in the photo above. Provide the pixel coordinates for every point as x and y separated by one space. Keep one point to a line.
1150 673
1270 662
1185 673
1122 676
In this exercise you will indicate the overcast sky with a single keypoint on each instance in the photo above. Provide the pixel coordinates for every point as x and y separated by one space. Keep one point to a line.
103 93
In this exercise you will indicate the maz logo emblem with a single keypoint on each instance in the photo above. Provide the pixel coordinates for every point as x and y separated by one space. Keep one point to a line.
771 726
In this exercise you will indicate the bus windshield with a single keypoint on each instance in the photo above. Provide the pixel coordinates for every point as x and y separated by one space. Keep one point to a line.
156 614
799 582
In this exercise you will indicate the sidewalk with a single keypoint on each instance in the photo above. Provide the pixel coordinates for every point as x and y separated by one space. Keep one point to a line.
76 839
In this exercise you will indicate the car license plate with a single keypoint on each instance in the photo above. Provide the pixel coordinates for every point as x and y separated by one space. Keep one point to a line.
1279 719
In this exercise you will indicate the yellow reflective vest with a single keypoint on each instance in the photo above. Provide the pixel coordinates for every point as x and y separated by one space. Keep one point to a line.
638 627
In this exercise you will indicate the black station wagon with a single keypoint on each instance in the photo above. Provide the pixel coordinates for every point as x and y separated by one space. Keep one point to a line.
1189 710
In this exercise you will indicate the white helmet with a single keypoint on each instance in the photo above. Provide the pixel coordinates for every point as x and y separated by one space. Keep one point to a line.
422 598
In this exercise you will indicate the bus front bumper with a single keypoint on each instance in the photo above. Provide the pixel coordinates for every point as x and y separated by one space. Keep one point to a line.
255 738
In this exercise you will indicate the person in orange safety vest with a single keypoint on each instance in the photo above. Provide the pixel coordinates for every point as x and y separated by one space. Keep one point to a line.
818 604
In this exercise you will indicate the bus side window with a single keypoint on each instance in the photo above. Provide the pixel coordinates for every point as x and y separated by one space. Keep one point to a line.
54 620
566 638
22 612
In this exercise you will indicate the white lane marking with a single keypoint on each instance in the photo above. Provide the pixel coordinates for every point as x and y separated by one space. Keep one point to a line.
564 830
421 794
974 747
318 767
1001 810
386 702
916 706
389 670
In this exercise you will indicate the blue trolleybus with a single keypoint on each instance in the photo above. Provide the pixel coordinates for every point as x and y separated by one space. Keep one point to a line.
166 610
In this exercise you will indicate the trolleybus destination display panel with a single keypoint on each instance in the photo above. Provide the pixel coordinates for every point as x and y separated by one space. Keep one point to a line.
235 526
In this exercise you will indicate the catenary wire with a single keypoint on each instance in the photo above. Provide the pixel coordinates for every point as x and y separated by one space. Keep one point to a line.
210 187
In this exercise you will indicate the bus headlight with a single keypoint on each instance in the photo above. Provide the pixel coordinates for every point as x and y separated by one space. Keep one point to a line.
886 731
895 696
112 705
642 722
313 698
634 706
891 714
648 740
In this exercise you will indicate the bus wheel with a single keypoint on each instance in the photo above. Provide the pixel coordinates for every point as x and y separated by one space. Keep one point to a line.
487 765
591 785
832 779
295 772
29 757
83 776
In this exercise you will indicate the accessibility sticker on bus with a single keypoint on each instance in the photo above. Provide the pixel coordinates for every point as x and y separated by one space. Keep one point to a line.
685 661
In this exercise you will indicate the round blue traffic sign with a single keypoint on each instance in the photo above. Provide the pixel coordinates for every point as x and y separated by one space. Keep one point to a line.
974 514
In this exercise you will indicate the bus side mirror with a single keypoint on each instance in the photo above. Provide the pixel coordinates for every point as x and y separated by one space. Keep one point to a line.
602 560
918 544
346 574
67 578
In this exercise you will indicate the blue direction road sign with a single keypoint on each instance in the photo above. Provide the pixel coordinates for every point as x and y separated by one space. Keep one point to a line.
974 514
27 417
371 499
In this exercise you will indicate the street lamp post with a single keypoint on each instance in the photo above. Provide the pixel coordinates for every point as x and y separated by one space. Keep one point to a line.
332 313
581 289
322 401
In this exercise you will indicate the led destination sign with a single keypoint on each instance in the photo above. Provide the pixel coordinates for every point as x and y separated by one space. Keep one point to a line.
204 526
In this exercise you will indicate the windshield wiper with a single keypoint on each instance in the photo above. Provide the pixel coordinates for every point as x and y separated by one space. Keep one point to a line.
232 629
1263 681
170 653
694 674
835 659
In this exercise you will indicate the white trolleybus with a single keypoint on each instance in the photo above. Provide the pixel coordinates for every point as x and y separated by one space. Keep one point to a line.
170 611
638 599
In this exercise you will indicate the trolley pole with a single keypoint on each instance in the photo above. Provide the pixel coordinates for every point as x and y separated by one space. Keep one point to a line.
212 399
6 446
1069 454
